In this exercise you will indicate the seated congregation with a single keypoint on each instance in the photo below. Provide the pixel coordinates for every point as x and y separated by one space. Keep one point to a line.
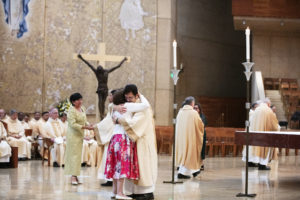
41 137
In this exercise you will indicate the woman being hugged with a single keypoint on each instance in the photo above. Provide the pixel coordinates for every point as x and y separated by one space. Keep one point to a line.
75 133
122 160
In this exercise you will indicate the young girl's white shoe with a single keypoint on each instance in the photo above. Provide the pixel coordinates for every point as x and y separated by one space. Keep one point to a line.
122 197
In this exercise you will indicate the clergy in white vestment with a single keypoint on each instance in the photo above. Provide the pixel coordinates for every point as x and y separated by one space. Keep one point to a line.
22 118
141 129
263 119
63 118
2 114
56 131
33 124
41 132
189 140
5 150
16 135
103 133
251 112
89 149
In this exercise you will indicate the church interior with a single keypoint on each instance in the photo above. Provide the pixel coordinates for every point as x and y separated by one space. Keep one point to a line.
40 69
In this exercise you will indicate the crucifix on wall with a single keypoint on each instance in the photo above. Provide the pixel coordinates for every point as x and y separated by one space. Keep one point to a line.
102 73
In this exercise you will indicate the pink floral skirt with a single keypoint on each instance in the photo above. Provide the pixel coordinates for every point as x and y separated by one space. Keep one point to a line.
122 161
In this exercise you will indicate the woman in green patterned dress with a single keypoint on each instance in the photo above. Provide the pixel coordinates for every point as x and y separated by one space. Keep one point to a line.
76 124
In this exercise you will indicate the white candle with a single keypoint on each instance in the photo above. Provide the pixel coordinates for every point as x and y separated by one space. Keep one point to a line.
247 32
175 54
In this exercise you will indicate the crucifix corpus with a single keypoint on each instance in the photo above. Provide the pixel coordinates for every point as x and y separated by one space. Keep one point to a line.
102 73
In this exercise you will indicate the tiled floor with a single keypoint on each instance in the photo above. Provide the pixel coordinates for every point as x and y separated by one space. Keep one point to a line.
223 178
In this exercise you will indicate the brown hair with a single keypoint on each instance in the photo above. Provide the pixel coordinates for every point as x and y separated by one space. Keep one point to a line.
119 97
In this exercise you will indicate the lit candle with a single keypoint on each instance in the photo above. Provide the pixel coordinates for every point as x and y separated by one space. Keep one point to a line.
175 54
247 44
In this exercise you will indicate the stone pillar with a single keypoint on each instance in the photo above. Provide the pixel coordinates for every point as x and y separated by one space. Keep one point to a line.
166 29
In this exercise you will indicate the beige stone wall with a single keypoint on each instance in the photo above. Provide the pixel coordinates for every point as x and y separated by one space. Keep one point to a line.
21 63
37 71
277 55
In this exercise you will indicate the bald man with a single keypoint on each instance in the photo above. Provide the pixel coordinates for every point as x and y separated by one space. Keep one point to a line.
2 115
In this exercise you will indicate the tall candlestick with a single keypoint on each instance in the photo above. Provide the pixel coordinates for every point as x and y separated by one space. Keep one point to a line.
247 32
175 54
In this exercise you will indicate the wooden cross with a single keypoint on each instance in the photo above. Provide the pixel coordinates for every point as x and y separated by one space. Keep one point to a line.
101 57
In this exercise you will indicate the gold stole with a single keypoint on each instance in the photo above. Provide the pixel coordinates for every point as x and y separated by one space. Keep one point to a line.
57 129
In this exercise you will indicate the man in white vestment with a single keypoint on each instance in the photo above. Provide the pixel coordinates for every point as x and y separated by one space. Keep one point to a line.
16 137
41 132
3 115
21 117
140 127
189 140
263 119
89 149
63 118
56 131
33 124
5 150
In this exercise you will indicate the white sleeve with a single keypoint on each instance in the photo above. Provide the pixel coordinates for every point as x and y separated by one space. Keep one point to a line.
137 107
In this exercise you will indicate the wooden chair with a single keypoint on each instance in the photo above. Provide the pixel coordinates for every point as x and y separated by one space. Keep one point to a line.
13 162
166 139
5 125
294 86
230 146
35 145
276 83
158 138
268 83
217 146
28 132
209 145
210 140
284 86
47 145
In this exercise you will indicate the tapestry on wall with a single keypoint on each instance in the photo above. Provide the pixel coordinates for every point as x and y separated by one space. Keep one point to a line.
15 14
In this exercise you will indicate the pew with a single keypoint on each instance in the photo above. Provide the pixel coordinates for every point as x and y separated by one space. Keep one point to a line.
220 141
272 83
164 139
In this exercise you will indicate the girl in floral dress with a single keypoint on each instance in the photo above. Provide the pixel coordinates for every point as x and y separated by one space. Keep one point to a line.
122 160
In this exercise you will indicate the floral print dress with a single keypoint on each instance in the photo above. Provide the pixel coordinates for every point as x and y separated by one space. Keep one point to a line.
122 160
